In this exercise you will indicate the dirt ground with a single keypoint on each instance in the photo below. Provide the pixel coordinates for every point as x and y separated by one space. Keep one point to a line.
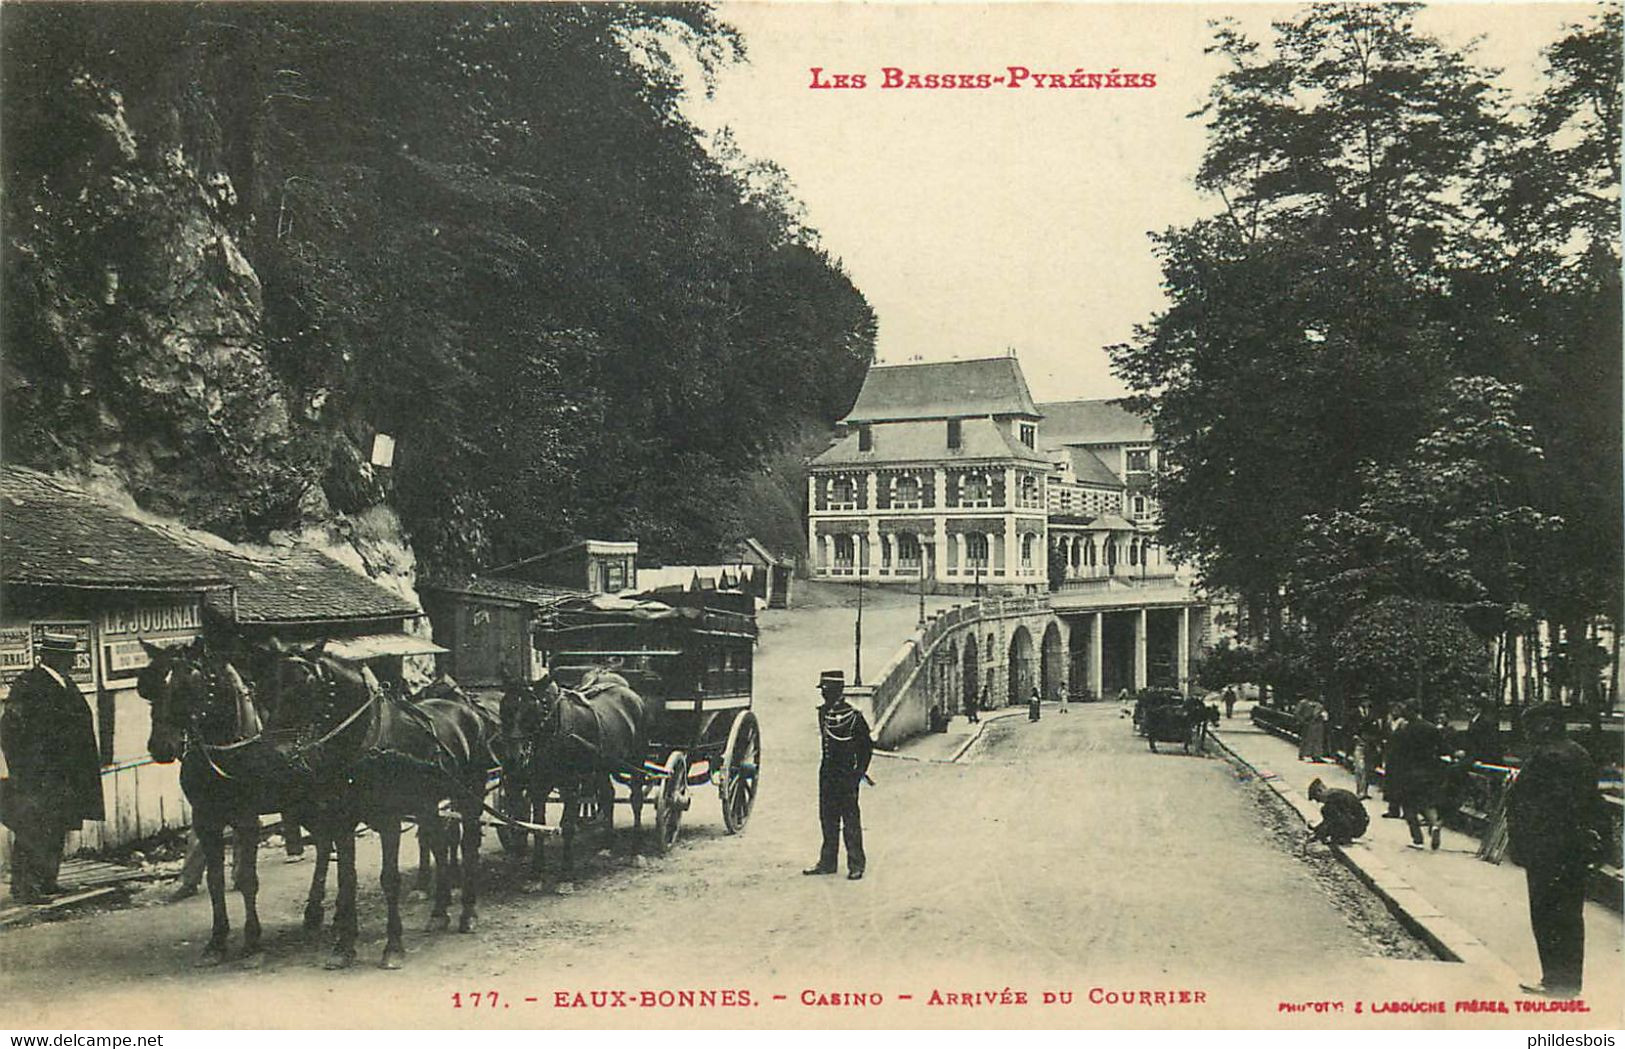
1060 857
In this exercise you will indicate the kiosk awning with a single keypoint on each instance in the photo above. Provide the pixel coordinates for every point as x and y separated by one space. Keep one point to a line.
377 646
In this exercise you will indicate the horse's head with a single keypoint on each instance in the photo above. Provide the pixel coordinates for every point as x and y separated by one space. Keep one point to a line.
527 714
177 683
304 686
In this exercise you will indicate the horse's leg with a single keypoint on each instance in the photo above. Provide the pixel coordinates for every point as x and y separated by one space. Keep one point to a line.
569 816
248 883
389 840
639 780
425 877
318 878
431 831
606 805
344 917
538 809
212 835
471 859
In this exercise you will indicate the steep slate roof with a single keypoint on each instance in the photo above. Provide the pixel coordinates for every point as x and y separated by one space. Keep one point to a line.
943 389
1088 468
1091 422
302 585
502 588
926 442
53 533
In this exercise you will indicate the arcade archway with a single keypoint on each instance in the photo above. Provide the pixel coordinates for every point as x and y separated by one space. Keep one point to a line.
1023 666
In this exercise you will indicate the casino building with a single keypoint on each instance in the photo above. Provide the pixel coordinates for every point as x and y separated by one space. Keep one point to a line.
948 475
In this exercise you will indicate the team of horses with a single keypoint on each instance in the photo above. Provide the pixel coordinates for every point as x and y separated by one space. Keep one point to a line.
329 747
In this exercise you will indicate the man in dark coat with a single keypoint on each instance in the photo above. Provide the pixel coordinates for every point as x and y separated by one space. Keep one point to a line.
1552 833
1414 775
844 742
1483 739
49 741
1342 817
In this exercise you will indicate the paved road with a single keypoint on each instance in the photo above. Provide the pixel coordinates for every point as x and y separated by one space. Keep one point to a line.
1060 856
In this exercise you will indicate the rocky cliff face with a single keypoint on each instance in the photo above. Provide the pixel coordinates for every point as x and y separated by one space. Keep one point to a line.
136 349
238 245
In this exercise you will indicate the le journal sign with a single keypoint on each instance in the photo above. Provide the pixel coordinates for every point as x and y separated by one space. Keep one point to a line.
123 628
1010 77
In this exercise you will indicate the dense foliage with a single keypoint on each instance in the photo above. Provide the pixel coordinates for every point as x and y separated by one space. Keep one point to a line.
1390 370
485 230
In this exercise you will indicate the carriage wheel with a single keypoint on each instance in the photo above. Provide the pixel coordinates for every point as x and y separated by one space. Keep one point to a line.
670 802
741 773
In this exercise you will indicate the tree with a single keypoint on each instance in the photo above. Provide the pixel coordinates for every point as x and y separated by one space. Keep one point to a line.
1454 521
1226 664
487 231
1307 336
1547 303
1403 648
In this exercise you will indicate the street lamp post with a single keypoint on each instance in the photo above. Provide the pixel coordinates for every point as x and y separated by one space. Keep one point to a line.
922 584
857 635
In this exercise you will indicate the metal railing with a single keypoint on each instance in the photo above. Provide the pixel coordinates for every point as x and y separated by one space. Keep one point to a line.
1480 794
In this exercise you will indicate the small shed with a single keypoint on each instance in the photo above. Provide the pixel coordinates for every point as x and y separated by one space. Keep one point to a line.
485 623
597 566
773 573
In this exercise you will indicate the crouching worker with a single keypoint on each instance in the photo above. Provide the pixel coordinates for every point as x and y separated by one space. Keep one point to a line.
1342 817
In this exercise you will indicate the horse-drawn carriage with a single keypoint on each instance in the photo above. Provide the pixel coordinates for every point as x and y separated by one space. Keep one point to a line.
654 695
688 658
1163 715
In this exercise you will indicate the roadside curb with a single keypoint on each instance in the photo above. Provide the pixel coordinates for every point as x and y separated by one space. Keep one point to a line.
1445 937
970 741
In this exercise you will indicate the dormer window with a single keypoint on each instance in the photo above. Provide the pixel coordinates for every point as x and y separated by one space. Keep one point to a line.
956 434
1029 434
866 438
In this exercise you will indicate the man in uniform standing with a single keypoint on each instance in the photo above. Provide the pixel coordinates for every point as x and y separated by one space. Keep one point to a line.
1552 834
845 746
49 742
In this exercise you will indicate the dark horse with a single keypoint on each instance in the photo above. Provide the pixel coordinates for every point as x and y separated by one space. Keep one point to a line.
572 741
413 753
204 714
1184 723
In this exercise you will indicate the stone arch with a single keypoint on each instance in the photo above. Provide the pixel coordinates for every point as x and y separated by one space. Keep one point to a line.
1023 665
1052 669
970 672
1078 648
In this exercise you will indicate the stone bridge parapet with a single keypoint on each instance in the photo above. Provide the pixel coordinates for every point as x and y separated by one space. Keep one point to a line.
1081 646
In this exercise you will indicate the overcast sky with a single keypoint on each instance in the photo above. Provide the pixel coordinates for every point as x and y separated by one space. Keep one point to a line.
979 220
